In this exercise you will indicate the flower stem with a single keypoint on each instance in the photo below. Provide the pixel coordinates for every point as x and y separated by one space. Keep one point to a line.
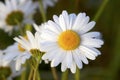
54 73
42 11
20 27
65 75
31 74
38 75
77 74
100 10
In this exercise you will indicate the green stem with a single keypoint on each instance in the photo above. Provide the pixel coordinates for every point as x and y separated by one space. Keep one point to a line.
38 75
28 27
20 27
36 71
42 11
34 75
100 10
31 74
54 73
23 75
65 75
77 74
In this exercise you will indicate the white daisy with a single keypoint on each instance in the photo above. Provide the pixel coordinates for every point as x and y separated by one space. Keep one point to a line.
31 45
14 13
17 53
66 40
8 68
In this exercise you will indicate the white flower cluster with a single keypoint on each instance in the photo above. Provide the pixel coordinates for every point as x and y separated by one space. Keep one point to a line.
65 40
14 15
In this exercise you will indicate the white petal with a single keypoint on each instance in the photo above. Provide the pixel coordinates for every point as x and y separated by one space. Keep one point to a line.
22 43
36 27
63 66
92 50
53 27
72 18
14 4
18 65
51 54
62 22
92 35
87 27
77 60
45 47
58 58
31 38
78 20
92 42
69 59
56 19
73 67
86 52
66 19
81 56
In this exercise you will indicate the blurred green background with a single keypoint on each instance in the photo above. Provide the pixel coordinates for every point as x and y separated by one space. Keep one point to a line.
107 65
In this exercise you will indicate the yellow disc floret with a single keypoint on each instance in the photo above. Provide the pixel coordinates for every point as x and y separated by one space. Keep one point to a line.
20 48
69 40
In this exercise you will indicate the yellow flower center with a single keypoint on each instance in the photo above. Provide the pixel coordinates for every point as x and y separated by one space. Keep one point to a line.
69 40
19 45
14 18
20 48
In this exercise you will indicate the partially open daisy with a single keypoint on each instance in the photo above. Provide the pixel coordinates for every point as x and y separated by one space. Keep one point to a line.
7 68
14 13
32 42
66 40
31 45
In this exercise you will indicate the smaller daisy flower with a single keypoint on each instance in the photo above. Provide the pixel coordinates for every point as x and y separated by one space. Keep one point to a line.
31 45
7 67
14 13
16 53
66 40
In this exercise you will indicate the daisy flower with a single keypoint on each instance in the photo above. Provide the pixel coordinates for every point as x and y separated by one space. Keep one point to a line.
66 40
8 68
16 12
16 53
31 45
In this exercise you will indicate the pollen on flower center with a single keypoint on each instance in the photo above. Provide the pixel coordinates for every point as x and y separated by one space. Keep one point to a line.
69 40
19 45
20 48
14 18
